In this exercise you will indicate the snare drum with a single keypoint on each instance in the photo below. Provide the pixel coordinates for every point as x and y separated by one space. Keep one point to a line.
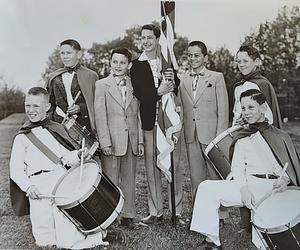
277 219
77 133
218 151
92 205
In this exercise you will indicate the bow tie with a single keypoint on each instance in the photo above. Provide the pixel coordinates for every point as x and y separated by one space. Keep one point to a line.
72 69
196 74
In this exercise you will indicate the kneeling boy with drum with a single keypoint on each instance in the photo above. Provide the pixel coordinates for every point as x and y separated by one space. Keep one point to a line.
259 153
41 151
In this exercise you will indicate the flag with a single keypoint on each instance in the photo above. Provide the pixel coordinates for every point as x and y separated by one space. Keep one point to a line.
167 37
168 119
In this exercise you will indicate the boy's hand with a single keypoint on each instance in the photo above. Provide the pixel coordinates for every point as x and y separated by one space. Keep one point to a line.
86 154
140 150
280 185
169 75
33 192
74 109
247 197
107 151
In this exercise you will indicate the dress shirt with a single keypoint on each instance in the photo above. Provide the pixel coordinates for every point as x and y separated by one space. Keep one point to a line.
67 80
27 159
154 65
196 80
122 85
252 155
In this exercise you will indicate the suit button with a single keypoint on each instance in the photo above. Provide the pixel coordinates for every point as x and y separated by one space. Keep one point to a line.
126 129
193 119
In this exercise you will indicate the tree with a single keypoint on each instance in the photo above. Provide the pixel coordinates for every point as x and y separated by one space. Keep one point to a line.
276 41
11 99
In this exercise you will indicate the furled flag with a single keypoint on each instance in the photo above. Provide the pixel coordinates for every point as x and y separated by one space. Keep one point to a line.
168 119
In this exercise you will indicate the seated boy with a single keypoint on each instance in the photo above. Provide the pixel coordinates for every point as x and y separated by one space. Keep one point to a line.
35 172
260 152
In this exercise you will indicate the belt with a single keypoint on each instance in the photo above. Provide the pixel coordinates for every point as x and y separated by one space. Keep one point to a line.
40 172
266 176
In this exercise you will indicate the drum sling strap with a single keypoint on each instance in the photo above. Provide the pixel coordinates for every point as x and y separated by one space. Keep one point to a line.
43 148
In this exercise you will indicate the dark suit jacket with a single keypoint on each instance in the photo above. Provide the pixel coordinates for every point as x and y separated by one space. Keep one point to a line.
144 89
58 97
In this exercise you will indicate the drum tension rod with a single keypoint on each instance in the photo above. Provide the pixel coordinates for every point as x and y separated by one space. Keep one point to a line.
270 240
294 236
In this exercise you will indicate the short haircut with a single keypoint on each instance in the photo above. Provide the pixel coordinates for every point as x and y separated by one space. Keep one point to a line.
123 51
201 45
255 95
38 91
73 43
251 51
154 28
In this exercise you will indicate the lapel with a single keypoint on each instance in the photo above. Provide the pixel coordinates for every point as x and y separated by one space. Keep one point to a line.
203 82
83 83
61 87
188 86
129 94
114 90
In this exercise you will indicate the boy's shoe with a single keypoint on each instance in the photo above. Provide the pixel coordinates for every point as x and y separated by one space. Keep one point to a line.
151 219
127 222
115 236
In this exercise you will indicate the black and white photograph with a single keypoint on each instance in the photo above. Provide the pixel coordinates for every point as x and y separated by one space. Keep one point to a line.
150 124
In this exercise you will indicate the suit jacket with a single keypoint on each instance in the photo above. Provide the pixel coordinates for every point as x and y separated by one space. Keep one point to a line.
145 91
117 121
58 97
207 113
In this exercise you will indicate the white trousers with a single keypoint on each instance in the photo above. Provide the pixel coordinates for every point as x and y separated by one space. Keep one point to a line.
211 194
49 225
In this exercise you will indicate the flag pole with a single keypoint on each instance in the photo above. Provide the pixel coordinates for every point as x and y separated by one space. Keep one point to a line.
167 6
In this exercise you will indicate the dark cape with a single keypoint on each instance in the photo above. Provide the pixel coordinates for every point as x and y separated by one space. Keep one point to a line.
19 201
279 142
267 89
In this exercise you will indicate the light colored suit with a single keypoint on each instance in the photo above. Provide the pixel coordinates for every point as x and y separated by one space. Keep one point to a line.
118 126
205 116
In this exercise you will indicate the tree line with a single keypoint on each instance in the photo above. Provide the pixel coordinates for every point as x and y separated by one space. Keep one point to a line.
276 41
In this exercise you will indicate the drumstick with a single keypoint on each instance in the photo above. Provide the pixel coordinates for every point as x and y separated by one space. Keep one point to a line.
50 196
74 101
283 171
81 160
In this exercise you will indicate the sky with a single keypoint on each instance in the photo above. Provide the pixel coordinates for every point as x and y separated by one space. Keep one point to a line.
30 30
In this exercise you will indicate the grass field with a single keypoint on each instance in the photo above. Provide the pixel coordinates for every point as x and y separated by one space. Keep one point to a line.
15 232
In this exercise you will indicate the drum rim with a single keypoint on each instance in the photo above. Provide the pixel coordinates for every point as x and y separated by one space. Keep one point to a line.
111 218
83 197
281 228
219 138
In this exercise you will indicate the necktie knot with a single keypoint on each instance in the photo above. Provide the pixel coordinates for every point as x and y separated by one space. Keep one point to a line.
122 82
72 69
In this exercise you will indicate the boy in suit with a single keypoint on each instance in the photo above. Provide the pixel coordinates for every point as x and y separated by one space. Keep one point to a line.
205 110
64 84
119 129
149 88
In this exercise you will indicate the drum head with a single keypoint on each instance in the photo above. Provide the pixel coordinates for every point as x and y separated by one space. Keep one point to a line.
278 210
69 189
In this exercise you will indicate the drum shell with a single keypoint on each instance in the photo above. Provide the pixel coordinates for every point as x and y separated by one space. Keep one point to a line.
281 236
97 209
283 240
218 151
